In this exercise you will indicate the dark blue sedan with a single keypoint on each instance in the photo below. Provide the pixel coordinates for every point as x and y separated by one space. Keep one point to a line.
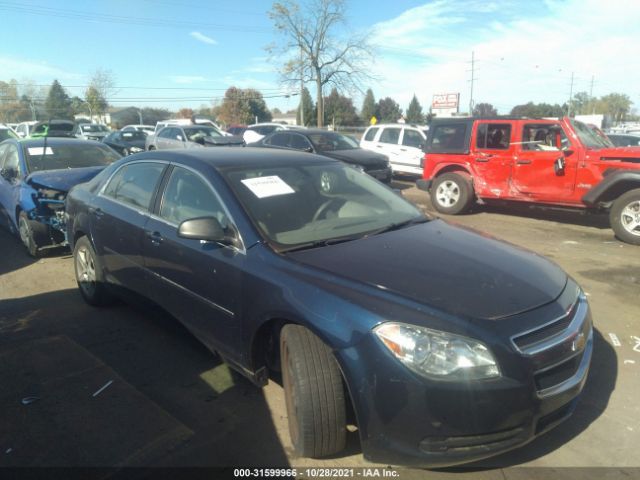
35 176
448 345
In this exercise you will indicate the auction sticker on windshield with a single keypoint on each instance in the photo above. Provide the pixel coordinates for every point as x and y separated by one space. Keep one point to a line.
39 150
263 187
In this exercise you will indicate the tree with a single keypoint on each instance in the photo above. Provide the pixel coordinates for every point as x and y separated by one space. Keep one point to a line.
151 116
314 52
96 102
308 107
9 101
58 103
185 113
615 104
388 110
581 103
368 107
339 110
484 110
536 110
243 106
101 87
414 112
276 111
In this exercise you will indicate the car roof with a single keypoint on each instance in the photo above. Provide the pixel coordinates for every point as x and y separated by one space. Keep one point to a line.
224 157
37 142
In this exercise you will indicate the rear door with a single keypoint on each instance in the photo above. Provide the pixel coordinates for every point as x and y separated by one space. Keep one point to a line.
198 282
536 171
118 218
492 157
410 152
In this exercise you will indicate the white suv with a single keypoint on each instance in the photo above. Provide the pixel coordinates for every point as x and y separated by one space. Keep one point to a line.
401 143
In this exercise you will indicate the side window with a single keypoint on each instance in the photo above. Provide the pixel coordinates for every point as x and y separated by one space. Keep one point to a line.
371 134
134 184
412 138
164 133
279 140
494 136
299 142
542 137
188 196
390 135
448 137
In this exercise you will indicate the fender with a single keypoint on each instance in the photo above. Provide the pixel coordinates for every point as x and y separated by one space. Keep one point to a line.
614 184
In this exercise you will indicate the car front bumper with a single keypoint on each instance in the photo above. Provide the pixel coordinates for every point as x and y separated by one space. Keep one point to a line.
408 420
384 175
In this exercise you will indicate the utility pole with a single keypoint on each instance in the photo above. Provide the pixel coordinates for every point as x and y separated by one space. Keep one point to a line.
593 104
472 79
570 96
301 88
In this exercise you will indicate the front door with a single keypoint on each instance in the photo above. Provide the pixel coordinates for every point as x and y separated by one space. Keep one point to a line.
198 282
543 171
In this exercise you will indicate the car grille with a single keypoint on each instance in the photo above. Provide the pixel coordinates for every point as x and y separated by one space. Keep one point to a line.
544 333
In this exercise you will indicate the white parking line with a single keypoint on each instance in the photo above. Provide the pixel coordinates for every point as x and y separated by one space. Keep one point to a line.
615 340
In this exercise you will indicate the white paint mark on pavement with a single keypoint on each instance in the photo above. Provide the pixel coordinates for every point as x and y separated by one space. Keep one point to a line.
629 362
570 242
615 340
103 387
636 347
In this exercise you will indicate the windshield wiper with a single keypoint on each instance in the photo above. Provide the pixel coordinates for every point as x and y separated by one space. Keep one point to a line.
320 243
399 225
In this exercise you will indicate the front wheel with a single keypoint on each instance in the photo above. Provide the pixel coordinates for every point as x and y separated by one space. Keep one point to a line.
313 392
29 232
625 217
451 193
89 274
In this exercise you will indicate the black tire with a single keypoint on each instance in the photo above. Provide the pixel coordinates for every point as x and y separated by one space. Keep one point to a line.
31 234
624 217
451 194
151 147
314 394
89 276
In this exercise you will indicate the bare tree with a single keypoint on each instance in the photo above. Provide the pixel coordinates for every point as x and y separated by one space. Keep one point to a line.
315 52
101 87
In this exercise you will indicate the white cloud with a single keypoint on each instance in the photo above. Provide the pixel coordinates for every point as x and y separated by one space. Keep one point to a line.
187 79
37 71
522 54
203 38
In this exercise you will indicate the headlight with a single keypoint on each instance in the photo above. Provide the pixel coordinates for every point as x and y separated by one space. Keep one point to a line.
136 149
436 354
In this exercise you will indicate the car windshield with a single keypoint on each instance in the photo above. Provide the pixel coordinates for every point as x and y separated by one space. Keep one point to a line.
588 137
327 141
299 206
194 133
94 128
132 136
57 157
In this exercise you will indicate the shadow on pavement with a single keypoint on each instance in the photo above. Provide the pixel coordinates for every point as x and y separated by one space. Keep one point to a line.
164 367
573 217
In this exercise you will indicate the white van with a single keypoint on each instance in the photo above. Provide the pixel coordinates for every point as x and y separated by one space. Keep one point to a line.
401 143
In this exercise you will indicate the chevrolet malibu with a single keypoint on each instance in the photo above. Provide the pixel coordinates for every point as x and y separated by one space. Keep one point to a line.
447 345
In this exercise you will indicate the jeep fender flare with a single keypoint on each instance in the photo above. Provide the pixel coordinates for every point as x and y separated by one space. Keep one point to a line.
615 183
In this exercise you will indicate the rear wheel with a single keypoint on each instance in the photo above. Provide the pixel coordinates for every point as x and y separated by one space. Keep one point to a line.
451 193
89 274
30 231
314 393
625 217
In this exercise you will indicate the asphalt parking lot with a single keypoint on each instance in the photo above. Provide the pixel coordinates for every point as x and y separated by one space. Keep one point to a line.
129 386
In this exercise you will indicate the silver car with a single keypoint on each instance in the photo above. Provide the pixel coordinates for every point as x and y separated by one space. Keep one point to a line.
191 136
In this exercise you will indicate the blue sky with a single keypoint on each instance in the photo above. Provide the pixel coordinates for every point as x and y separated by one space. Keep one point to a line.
181 52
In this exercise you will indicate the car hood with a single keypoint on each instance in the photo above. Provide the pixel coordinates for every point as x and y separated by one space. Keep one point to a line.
62 180
358 156
446 267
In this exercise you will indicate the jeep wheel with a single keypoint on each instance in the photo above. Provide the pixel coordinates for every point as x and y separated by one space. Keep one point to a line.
313 392
451 193
29 231
625 217
89 274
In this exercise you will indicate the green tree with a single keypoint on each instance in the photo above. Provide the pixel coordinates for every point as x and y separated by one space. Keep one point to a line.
617 105
537 110
243 106
314 49
388 110
339 110
414 112
308 107
9 101
58 103
151 116
368 107
484 110
185 113
581 103
97 103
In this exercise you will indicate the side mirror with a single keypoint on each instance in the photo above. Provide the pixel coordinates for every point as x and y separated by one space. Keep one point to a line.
308 150
205 228
558 166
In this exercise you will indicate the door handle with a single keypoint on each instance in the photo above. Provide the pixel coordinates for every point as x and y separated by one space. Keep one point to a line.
482 159
98 212
523 162
155 237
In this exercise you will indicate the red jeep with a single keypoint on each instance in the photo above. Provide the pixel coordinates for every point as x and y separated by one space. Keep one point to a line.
553 162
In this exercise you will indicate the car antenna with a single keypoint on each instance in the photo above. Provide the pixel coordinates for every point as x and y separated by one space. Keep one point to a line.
46 134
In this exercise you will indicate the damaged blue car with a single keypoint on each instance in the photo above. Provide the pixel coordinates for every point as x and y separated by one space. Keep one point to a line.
35 176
